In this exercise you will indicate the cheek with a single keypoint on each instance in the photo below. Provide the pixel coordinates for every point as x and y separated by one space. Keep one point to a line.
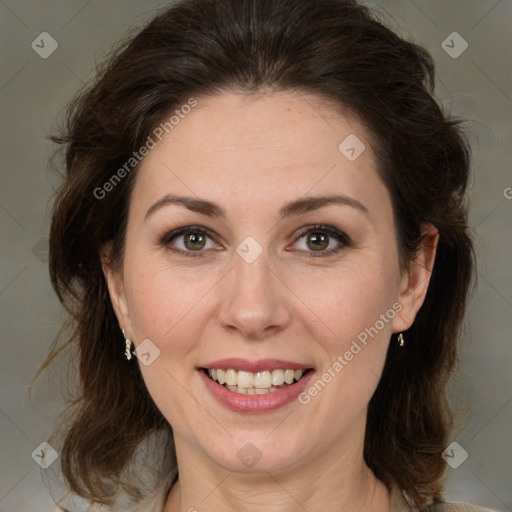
355 306
335 303
162 299
350 298
169 307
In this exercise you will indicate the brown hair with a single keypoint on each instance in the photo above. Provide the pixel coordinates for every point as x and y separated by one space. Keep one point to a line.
341 52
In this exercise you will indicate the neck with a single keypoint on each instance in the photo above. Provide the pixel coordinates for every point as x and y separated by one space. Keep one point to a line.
348 484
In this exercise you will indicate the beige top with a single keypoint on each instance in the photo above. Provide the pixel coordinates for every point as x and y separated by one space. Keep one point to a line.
398 503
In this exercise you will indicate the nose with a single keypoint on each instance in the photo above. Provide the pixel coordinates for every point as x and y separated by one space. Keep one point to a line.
254 300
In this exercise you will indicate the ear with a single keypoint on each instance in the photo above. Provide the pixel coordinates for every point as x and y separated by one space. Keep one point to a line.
414 282
115 284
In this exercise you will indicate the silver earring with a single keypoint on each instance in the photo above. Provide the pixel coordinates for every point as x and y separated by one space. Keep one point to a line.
401 341
129 350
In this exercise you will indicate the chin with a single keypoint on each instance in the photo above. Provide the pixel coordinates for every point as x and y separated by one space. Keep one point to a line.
259 453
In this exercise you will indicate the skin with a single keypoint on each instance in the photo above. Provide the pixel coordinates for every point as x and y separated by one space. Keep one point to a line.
251 155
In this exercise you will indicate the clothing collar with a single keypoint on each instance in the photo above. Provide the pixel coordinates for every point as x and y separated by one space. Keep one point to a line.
399 502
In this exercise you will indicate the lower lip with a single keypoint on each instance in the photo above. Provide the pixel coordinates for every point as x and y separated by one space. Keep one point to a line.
268 402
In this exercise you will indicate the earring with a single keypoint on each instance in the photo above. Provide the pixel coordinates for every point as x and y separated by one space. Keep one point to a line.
401 341
129 352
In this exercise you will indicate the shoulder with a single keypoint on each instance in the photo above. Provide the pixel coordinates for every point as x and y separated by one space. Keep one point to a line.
400 502
455 507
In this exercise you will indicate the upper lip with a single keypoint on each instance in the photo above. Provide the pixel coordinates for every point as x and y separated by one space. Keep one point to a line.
237 363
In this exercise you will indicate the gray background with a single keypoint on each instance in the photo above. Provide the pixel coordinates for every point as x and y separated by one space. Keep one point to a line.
33 92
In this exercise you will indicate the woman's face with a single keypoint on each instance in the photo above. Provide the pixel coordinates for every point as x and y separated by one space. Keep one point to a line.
264 273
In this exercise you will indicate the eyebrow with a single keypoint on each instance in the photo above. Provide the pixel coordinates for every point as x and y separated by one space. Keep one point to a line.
297 207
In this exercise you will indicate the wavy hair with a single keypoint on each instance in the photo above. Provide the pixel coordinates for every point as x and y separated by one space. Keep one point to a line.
340 51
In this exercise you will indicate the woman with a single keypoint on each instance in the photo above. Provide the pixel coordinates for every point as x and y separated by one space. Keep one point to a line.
262 242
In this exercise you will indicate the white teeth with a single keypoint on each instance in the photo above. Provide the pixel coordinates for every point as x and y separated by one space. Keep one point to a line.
221 376
231 377
289 375
262 380
258 383
245 379
277 377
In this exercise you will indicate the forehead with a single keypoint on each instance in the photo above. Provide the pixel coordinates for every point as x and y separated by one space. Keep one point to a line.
238 148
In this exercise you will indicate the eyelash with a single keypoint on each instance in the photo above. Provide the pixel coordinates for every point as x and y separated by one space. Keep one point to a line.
340 236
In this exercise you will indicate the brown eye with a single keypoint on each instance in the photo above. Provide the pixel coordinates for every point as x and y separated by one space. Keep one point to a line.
322 240
317 241
194 241
189 241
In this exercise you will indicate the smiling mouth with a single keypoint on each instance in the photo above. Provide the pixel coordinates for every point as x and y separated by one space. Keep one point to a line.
257 383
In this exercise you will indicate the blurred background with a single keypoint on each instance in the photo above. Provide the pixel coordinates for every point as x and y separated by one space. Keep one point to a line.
50 50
